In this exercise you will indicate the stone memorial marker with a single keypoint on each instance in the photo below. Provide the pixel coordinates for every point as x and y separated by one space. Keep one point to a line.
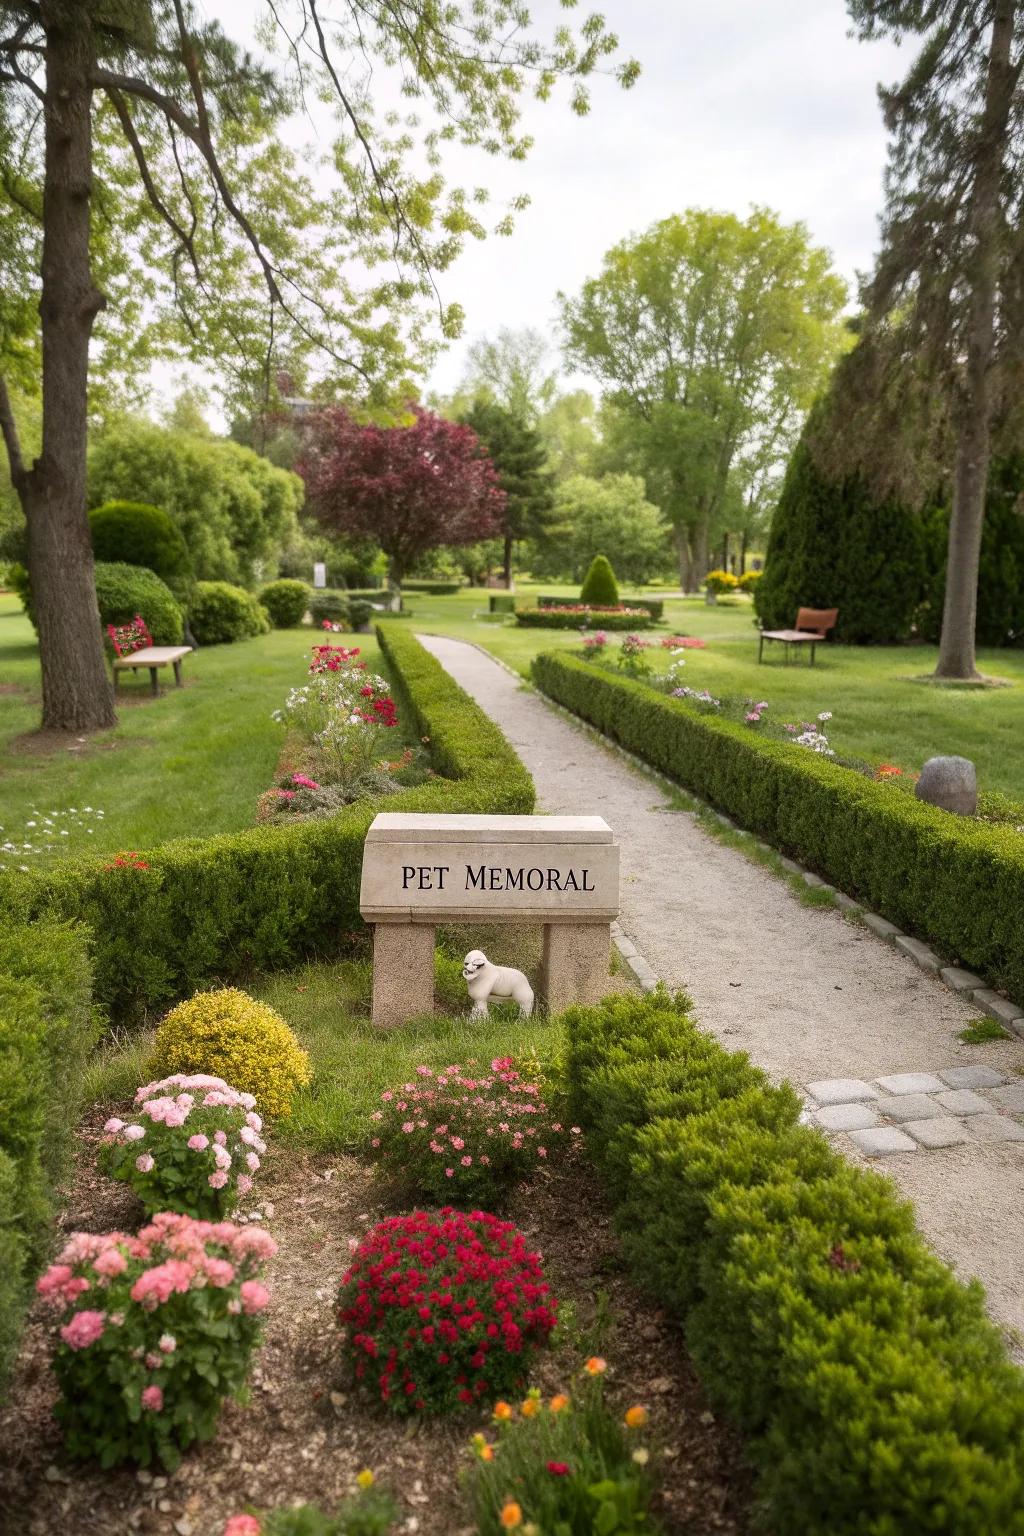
950 783
421 870
319 573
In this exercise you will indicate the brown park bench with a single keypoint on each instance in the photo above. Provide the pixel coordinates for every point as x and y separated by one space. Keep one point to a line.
812 625
134 648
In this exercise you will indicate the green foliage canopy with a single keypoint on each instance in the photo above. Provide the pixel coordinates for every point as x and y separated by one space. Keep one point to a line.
609 516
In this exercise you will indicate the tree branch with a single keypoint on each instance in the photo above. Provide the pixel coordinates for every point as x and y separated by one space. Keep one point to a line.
184 236
12 442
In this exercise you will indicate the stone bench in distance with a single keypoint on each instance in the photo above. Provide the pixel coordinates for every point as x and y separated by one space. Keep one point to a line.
421 870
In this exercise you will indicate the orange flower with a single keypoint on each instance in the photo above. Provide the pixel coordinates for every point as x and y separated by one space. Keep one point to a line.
529 1408
595 1366
511 1516
636 1417
486 1452
888 771
558 1402
503 1410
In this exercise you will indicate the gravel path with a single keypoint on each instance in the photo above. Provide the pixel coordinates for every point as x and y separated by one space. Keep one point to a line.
810 995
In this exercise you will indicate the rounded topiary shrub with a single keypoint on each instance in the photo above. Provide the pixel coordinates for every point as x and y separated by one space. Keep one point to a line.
229 1034
135 533
599 584
329 604
286 601
443 1310
122 591
220 614
360 614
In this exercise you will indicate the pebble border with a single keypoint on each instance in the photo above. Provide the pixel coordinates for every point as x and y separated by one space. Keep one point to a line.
962 982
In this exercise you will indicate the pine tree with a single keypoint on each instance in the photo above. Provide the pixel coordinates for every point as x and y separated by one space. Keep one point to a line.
947 273
519 456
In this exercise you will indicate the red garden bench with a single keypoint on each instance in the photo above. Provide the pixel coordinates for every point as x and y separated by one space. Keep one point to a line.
134 648
812 625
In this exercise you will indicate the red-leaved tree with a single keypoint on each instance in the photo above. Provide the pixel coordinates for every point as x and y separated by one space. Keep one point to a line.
411 488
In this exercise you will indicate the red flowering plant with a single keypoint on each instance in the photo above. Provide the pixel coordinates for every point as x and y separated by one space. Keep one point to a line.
443 1310
570 1464
456 1134
127 859
126 639
193 1145
682 643
339 720
155 1331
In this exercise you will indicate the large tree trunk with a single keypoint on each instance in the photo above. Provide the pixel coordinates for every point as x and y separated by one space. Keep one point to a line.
77 694
957 644
507 561
743 554
682 543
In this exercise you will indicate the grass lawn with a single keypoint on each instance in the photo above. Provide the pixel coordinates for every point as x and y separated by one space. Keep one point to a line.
186 764
878 713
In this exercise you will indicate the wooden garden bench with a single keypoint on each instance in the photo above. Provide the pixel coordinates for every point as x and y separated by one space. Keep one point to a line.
812 625
134 648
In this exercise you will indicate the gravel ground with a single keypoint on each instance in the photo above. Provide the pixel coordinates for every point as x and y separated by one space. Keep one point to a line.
809 994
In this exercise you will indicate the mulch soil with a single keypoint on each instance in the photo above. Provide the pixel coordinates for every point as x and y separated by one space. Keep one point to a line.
306 1432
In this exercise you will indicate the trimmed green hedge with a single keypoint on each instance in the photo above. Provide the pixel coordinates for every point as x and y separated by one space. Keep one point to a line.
501 602
655 605
957 883
214 909
435 588
47 1029
875 1395
588 618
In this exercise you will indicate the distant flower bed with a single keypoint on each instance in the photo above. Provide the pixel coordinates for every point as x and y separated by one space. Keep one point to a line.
584 616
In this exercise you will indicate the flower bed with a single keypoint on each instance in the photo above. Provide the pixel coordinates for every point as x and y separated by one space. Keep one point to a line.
957 883
222 906
585 616
655 606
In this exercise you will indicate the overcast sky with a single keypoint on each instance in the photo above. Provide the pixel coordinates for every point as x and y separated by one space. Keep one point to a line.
740 102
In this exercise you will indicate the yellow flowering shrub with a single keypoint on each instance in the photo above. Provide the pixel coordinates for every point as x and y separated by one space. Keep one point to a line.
229 1034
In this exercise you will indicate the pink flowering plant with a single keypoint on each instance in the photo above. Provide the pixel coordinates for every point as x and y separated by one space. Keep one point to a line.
193 1145
154 1332
465 1136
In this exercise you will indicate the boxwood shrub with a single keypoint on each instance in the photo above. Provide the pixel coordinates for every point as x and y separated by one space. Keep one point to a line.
218 908
957 883
220 614
875 1394
435 588
47 1028
286 602
135 533
123 590
582 617
327 603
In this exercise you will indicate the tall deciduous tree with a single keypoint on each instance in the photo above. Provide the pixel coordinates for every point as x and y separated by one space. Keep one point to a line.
518 454
411 488
711 336
949 272
141 108
515 369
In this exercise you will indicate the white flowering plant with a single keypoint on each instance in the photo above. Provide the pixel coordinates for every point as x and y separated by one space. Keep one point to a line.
193 1146
342 716
45 834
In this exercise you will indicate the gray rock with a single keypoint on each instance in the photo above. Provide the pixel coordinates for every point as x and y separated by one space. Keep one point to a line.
972 1077
882 1140
943 1132
841 1090
847 902
950 783
847 1117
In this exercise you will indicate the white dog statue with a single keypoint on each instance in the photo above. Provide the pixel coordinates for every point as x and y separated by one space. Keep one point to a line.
484 980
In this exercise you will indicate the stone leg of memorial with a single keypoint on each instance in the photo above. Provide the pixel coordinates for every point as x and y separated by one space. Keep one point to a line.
575 964
403 972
